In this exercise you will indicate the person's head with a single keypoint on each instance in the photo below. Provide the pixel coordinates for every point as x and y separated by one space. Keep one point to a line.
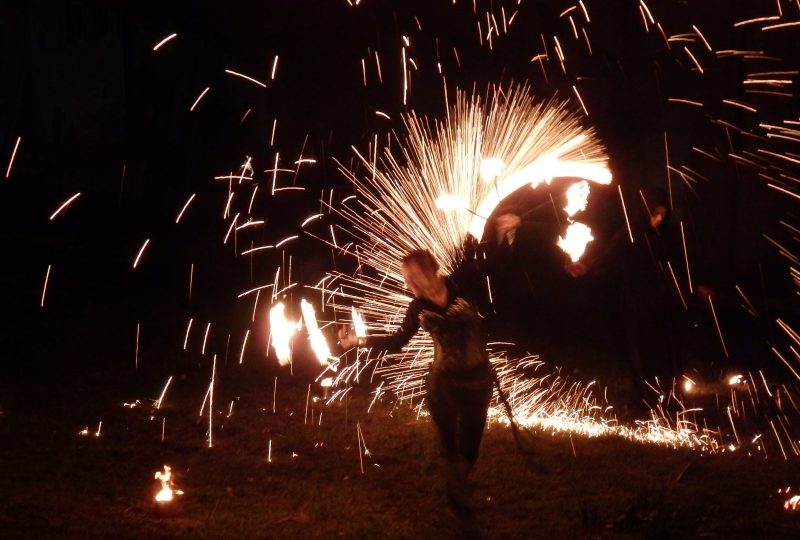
657 201
421 273
657 215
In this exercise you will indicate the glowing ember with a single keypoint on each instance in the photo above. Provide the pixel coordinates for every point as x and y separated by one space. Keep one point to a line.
736 379
793 502
166 494
573 243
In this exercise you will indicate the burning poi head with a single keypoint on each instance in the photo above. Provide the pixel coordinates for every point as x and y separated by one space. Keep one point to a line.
166 493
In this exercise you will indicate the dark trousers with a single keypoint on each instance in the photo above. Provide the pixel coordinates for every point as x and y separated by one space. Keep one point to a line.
458 406
651 325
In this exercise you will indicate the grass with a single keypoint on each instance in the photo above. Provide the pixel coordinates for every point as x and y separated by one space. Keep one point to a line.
58 484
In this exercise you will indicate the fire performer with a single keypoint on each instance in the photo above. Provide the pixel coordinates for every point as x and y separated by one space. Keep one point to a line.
646 273
459 383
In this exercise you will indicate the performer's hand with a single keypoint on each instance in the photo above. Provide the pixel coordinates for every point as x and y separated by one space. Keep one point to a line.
507 222
576 269
347 339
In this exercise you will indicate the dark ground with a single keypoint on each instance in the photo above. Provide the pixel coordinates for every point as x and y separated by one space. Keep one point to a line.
58 484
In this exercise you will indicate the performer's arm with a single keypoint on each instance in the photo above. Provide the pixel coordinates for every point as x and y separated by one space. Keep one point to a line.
390 342
491 257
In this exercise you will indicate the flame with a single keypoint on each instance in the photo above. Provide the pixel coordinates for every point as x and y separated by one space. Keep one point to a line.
736 379
281 331
541 170
573 243
315 337
688 384
327 382
358 324
577 198
166 493
577 235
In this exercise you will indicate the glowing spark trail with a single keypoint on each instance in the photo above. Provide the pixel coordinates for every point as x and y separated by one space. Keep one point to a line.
245 77
136 353
163 393
211 402
446 166
44 287
625 213
165 40
64 206
244 344
274 68
196 101
139 255
719 330
13 155
185 206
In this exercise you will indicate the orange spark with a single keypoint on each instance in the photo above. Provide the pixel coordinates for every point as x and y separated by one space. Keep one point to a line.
196 101
583 106
719 330
274 68
64 205
625 212
696 63
185 206
245 77
13 154
163 41
44 288
139 255
160 399
244 344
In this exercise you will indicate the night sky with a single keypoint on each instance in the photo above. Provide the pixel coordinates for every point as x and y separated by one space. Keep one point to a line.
100 112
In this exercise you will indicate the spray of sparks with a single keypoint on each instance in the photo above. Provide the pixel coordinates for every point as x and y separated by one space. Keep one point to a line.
436 191
445 178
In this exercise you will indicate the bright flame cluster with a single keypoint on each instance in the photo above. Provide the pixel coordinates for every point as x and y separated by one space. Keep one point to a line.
166 493
282 330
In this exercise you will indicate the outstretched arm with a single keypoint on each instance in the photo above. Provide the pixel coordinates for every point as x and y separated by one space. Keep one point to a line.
390 342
